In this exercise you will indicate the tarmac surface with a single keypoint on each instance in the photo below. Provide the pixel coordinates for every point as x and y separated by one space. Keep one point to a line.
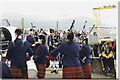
32 72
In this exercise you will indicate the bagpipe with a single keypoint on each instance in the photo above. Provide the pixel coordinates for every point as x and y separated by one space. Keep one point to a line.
90 30
60 57
84 26
72 26
84 35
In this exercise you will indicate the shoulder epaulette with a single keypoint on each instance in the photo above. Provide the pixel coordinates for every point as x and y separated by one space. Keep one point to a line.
14 43
23 43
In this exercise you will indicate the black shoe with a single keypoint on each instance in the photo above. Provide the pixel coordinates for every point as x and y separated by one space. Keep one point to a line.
53 71
104 71
107 69
51 66
111 74
56 71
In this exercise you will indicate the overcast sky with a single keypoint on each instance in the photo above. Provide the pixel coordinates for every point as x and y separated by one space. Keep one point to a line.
53 10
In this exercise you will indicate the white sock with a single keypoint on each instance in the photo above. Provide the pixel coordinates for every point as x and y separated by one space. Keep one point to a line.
0 58
54 67
56 64
51 63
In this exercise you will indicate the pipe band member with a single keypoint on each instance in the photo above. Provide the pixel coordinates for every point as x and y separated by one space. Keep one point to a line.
53 61
31 39
71 63
17 54
79 40
85 59
5 70
107 57
40 60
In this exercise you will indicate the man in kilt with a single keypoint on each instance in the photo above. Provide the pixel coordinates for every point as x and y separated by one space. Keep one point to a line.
51 43
56 62
40 59
31 39
71 65
17 54
85 59
79 40
5 70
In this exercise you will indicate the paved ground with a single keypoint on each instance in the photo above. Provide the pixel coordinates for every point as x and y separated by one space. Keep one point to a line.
53 75
49 75
32 72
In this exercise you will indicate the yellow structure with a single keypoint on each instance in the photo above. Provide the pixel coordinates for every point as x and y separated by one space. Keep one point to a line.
96 13
4 19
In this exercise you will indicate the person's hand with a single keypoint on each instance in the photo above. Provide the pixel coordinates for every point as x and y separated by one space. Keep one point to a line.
47 46
47 57
28 57
54 46
56 43
34 45
107 57
36 42
6 61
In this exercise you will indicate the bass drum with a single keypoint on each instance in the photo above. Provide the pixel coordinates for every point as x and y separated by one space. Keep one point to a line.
5 38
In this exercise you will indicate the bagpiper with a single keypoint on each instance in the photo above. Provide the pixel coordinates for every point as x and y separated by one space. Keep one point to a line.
85 59
79 40
42 55
6 71
30 37
51 44
71 64
17 54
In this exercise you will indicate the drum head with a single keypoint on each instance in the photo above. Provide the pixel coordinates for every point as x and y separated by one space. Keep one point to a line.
5 38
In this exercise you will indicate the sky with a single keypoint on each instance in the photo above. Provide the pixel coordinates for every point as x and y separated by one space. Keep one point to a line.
54 10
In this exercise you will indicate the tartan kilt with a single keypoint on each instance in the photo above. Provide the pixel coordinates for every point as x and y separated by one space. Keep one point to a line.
73 73
35 52
87 70
41 70
51 57
17 72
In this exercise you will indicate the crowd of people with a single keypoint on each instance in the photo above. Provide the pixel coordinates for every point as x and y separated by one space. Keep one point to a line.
52 48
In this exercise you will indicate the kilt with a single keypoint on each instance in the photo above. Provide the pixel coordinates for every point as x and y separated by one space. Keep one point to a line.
17 72
35 52
52 57
73 73
41 70
87 70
